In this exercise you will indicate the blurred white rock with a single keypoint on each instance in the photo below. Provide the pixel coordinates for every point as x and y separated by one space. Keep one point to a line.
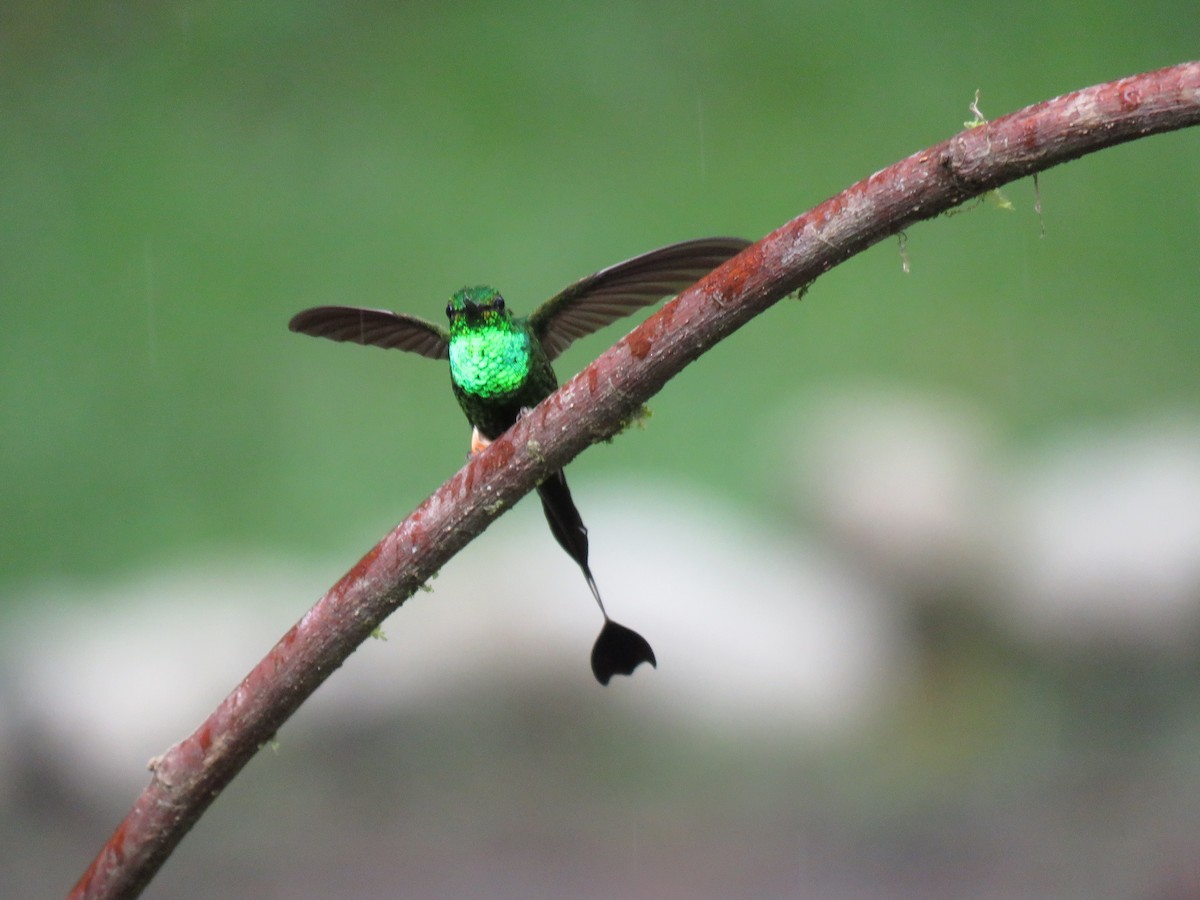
751 629
1092 539
1103 537
903 483
107 676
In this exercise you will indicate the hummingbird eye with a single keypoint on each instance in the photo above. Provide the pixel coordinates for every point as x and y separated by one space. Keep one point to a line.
498 303
449 310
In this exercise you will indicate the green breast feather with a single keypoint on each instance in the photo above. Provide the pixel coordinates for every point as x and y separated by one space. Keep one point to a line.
490 362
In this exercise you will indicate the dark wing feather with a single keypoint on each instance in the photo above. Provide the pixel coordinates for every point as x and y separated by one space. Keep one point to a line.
373 327
593 302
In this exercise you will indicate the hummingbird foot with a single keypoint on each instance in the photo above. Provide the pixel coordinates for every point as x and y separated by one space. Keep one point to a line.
478 441
618 651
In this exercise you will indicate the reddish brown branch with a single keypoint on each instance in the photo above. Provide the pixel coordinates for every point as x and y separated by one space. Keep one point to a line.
592 407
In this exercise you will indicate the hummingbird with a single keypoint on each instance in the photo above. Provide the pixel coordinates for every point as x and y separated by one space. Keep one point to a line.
500 368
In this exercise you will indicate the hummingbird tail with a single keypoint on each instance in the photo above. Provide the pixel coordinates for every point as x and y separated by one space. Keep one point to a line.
565 522
618 651
567 526
587 573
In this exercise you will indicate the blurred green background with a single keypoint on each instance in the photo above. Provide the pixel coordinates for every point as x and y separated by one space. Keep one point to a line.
177 179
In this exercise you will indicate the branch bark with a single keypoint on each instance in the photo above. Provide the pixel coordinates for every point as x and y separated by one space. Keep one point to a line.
592 407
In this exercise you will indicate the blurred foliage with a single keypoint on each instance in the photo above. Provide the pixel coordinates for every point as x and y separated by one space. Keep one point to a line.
177 179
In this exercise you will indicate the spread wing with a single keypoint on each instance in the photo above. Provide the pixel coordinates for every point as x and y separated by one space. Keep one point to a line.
373 327
593 302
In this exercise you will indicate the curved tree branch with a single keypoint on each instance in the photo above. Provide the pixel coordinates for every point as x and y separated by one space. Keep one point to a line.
592 407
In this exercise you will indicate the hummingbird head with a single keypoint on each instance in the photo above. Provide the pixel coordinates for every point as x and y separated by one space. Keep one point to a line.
475 307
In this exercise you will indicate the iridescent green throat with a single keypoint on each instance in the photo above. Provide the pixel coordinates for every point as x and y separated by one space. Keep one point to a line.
489 352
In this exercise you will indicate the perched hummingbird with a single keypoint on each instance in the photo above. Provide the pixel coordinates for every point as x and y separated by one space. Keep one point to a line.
500 367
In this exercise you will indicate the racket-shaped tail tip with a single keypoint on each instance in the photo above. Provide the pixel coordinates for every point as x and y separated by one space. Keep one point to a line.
618 651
